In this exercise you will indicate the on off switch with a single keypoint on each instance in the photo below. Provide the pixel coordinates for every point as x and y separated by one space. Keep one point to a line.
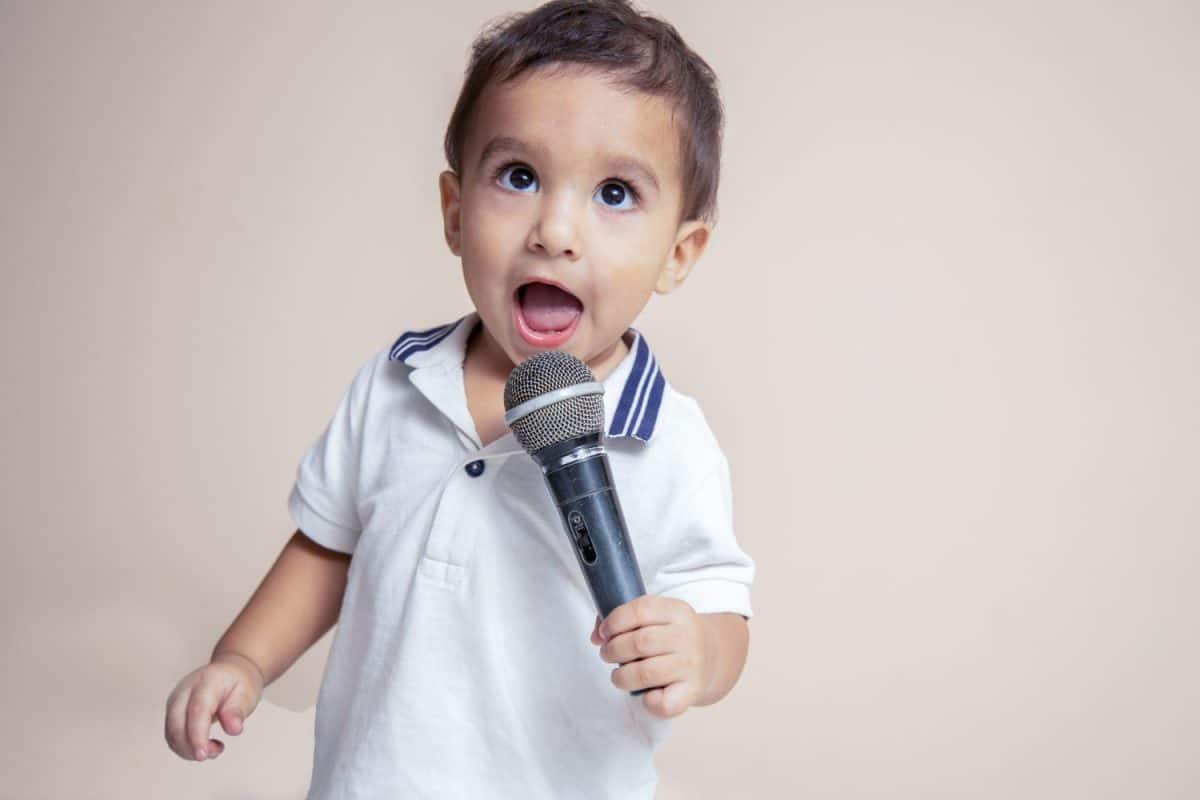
582 540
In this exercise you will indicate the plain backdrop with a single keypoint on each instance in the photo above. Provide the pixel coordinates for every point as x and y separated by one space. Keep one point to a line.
946 331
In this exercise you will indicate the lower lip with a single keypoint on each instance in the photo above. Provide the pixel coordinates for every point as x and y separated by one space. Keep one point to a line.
549 341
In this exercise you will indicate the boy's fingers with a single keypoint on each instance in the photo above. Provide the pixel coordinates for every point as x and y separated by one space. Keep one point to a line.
649 609
653 701
670 701
652 640
649 673
199 718
176 732
596 632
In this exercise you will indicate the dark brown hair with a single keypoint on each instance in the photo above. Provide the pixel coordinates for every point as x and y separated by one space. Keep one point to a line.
640 51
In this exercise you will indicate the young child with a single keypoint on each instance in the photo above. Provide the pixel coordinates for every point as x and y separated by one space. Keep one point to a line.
584 154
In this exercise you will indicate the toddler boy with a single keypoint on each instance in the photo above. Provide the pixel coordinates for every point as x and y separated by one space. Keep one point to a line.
584 155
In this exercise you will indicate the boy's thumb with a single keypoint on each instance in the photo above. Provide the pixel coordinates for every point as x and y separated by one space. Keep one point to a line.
232 716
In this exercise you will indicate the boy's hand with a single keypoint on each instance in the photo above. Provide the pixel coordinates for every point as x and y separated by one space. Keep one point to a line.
227 689
661 642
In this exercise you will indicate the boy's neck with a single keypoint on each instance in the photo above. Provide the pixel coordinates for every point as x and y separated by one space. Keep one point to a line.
486 368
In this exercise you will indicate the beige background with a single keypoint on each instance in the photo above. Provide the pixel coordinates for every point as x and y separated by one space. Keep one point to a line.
947 332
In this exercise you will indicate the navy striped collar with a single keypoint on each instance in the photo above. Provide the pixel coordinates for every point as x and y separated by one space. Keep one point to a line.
640 381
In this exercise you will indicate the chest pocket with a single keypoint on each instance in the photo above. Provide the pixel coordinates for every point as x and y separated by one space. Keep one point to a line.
466 506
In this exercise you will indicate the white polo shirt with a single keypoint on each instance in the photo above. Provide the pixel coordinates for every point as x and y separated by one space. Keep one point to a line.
461 665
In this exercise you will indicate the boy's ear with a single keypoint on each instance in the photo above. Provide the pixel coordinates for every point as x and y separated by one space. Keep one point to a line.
450 188
689 245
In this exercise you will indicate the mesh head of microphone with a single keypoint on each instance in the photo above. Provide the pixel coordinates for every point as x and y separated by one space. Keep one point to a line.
559 421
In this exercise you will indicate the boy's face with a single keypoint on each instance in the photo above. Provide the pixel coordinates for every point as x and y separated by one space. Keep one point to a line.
573 183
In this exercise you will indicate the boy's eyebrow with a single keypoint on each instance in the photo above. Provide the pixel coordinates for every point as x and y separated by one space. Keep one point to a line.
623 164
501 144
510 144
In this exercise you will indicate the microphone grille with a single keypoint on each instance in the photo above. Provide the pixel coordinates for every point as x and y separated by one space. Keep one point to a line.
559 421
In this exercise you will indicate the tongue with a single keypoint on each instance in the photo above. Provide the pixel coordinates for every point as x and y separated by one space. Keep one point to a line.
548 308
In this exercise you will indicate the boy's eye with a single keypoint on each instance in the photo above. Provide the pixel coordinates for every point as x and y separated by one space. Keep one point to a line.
520 177
614 194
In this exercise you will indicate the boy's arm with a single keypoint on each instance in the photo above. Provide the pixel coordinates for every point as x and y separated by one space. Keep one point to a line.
728 640
295 605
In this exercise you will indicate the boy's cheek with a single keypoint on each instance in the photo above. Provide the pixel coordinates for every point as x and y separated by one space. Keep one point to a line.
494 209
492 251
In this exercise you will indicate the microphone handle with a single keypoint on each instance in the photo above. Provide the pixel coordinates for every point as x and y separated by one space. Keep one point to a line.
580 481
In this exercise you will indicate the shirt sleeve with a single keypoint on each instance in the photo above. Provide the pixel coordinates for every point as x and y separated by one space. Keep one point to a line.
704 566
324 498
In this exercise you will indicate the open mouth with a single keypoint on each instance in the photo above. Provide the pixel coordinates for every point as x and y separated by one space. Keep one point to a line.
545 315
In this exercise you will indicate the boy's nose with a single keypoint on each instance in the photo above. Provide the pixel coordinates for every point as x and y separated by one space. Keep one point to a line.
556 231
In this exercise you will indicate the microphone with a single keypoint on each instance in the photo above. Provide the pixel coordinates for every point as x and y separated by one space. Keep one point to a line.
555 408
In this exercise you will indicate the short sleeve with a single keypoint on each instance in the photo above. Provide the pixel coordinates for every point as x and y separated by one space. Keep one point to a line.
703 564
324 498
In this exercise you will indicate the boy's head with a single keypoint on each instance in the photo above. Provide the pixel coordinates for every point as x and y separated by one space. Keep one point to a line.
584 156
